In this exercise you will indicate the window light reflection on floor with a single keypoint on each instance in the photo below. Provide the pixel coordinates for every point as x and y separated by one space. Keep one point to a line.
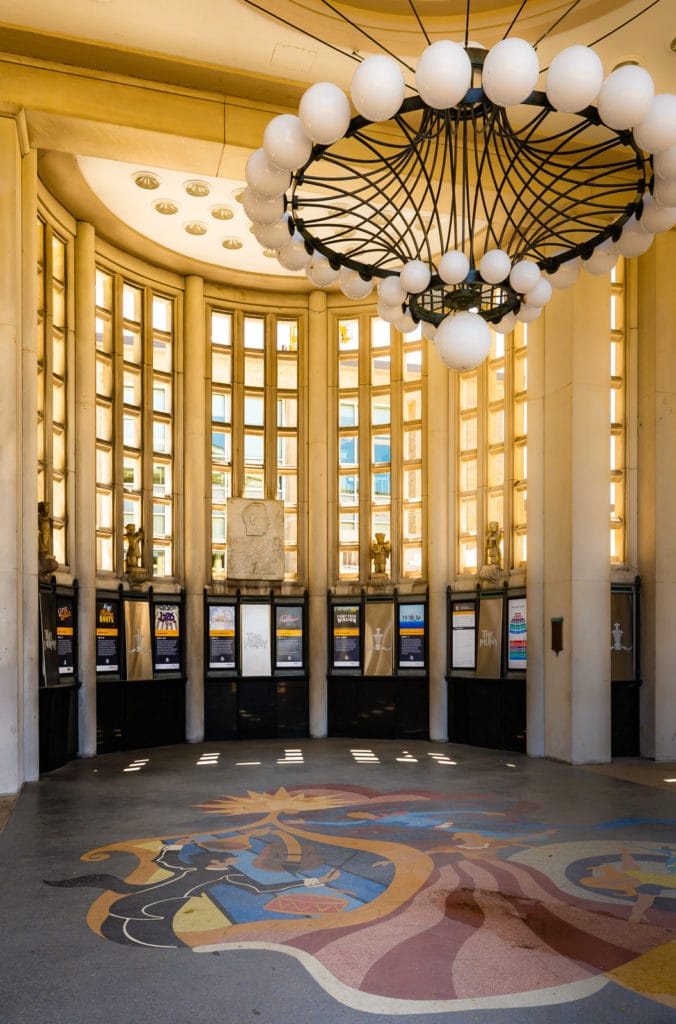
137 765
365 756
293 755
208 759
441 758
407 758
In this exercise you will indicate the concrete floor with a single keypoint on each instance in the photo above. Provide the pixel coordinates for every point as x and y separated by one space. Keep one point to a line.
337 881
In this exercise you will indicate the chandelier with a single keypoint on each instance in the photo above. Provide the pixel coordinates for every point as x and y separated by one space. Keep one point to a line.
469 201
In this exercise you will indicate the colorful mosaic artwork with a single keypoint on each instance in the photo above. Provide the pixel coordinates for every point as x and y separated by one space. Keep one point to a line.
405 898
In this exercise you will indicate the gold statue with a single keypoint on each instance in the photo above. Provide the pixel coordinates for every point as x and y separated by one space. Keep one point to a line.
493 544
134 539
380 552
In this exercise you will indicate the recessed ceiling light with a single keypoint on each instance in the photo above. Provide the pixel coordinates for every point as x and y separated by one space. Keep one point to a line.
196 227
197 189
222 213
147 180
166 206
239 193
232 243
270 253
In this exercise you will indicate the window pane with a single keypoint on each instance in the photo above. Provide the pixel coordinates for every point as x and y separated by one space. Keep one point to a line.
221 328
254 410
287 412
221 367
380 410
348 335
380 370
348 450
162 313
287 451
348 373
253 449
254 333
287 374
254 372
220 408
348 412
381 448
220 446
412 405
287 335
162 355
253 484
131 303
412 445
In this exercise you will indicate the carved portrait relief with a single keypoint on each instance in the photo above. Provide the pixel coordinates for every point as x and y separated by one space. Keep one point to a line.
255 539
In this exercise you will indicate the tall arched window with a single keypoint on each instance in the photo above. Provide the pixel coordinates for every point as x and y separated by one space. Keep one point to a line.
255 421
135 410
617 414
491 467
54 277
379 446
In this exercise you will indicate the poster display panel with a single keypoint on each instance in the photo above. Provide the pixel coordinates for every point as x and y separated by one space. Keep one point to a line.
622 661
489 651
50 661
517 633
139 662
379 638
345 636
221 636
289 636
463 634
107 635
411 636
65 634
255 639
167 637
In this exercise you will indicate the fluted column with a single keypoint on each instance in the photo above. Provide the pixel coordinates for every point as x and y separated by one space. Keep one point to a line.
15 681
84 567
195 499
568 527
439 457
657 495
317 456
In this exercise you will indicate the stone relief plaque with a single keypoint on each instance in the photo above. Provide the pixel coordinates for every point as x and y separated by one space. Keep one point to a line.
255 539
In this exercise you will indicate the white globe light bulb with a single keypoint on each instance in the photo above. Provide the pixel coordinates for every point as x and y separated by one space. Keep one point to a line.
415 277
664 191
391 291
320 271
539 295
405 323
443 74
566 275
463 340
293 255
574 79
453 267
494 266
524 275
625 97
634 240
260 210
390 314
324 112
263 178
273 236
664 163
657 131
506 324
526 314
353 285
285 143
656 217
378 88
510 72
603 258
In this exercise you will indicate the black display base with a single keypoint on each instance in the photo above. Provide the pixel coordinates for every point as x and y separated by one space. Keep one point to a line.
487 712
143 713
256 708
58 725
378 707
625 719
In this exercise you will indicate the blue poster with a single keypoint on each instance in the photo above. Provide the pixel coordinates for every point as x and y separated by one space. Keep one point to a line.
411 636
